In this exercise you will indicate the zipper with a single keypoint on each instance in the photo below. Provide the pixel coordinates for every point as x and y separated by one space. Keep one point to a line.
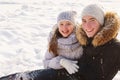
101 62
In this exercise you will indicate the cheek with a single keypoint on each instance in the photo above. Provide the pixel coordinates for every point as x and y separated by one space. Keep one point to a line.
97 29
71 29
83 27
60 29
97 26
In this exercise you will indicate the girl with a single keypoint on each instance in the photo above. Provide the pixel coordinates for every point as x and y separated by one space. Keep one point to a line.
63 51
63 45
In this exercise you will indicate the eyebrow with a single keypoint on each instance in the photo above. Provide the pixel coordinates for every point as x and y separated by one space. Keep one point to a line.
92 18
89 18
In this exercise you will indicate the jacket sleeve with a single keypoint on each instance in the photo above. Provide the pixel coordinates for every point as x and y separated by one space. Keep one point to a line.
118 55
119 60
51 61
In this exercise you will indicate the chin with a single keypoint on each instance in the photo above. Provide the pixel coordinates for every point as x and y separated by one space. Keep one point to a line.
65 35
90 36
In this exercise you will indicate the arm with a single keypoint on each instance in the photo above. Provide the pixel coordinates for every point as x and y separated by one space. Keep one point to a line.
119 60
117 50
60 62
52 61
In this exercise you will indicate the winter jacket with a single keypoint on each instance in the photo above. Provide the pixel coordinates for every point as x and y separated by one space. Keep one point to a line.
68 48
101 58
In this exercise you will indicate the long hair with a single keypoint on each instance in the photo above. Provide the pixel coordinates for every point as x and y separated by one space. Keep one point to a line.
53 42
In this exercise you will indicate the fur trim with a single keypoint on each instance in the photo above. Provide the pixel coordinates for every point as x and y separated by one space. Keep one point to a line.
81 36
108 31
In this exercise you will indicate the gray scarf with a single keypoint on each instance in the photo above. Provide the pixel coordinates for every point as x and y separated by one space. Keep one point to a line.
69 47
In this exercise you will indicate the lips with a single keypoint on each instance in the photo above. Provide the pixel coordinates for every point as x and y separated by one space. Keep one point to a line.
65 32
89 30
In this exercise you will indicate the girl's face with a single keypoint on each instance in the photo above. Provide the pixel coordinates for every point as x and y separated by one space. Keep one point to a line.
65 28
90 25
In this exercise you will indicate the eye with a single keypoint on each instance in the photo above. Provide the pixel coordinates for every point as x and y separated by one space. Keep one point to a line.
61 24
83 21
69 24
92 19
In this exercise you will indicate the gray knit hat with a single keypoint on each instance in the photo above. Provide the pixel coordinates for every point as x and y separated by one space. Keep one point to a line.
94 11
67 15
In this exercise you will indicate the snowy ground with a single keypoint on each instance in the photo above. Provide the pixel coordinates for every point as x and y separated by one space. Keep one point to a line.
25 25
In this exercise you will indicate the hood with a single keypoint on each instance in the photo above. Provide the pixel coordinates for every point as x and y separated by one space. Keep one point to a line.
109 31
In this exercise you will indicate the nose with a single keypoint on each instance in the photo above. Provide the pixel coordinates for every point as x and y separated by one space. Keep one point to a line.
65 26
88 25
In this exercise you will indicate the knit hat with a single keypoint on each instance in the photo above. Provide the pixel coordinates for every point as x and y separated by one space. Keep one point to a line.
67 15
94 11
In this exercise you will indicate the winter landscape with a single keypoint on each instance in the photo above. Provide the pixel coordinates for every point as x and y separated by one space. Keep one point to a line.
24 28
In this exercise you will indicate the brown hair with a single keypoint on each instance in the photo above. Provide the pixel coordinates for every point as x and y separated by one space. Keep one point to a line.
53 42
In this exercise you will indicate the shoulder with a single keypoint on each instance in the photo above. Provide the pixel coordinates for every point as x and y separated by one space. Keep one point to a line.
115 44
52 32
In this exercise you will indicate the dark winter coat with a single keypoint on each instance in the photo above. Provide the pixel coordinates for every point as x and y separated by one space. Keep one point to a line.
101 56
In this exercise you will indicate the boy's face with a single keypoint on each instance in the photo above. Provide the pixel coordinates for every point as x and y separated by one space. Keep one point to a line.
90 25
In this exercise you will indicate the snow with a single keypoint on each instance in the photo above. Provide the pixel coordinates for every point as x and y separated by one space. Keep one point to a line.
24 28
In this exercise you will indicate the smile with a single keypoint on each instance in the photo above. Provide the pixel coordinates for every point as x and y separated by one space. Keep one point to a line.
89 30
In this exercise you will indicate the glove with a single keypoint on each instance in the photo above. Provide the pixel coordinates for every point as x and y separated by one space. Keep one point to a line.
22 76
69 65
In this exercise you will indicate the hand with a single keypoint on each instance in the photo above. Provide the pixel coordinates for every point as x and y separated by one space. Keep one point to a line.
69 65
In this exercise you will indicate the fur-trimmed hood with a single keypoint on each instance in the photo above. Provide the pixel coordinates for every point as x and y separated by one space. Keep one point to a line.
109 31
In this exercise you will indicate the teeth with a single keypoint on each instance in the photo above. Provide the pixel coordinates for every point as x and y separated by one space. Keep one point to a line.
89 30
65 32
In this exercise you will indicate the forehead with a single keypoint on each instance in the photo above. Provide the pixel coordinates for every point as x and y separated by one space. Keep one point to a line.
87 17
65 21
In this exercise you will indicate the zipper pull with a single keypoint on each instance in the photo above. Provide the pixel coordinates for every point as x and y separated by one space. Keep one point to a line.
101 60
93 57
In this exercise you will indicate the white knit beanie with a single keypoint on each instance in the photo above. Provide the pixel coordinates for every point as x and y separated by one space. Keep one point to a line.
94 11
67 15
